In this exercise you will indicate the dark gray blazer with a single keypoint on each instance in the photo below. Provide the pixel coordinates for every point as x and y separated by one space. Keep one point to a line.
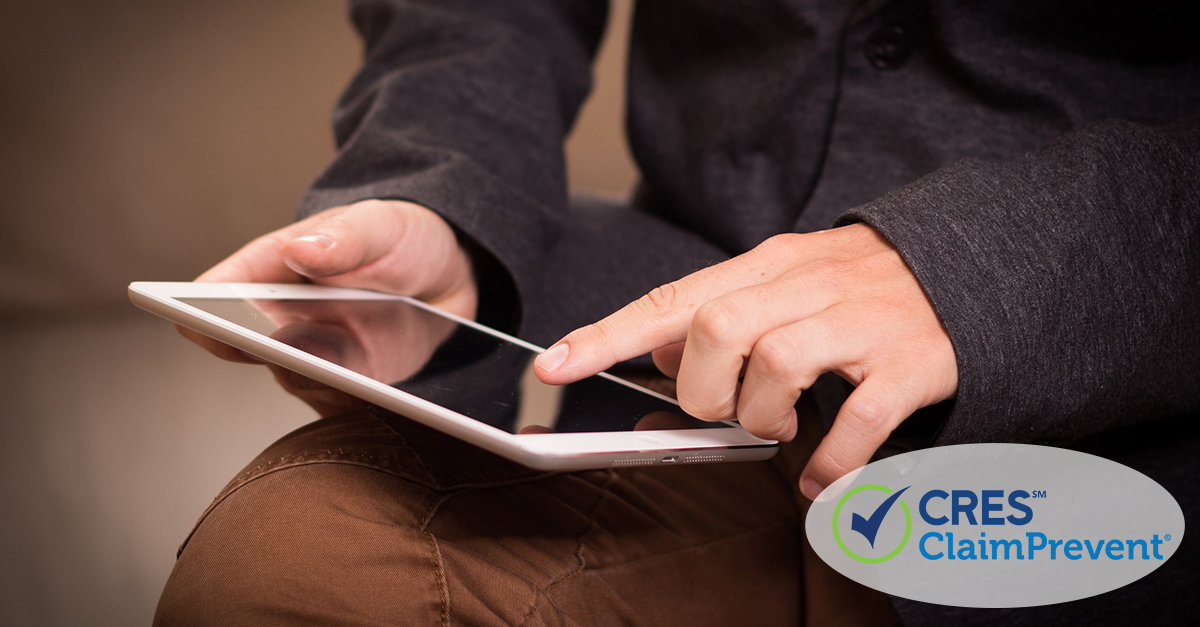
1036 162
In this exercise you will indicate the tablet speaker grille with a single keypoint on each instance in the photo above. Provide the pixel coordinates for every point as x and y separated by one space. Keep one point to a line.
710 457
634 461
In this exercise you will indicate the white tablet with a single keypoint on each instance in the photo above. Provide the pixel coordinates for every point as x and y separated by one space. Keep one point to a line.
449 373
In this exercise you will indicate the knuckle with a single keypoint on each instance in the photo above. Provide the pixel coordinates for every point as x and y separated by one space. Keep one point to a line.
703 410
867 414
717 321
779 427
337 222
836 461
596 334
784 428
368 205
388 220
835 271
827 275
659 302
778 356
776 244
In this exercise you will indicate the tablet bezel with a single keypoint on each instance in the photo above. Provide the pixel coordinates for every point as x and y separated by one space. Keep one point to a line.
546 451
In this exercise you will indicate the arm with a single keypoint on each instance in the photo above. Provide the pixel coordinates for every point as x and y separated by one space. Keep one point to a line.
462 107
1069 280
1062 325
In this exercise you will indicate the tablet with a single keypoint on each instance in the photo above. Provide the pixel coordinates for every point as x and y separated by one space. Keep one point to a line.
449 373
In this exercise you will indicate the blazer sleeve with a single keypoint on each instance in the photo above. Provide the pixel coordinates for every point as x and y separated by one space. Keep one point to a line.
1068 280
462 106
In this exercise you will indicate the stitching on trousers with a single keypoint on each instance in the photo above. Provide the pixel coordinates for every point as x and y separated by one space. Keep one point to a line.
389 464
284 463
433 479
580 564
604 488
374 411
443 585
385 463
436 507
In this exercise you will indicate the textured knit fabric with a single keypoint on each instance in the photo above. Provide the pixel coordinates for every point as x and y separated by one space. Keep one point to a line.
1069 280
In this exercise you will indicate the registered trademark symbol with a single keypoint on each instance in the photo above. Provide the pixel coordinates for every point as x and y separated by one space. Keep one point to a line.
1168 536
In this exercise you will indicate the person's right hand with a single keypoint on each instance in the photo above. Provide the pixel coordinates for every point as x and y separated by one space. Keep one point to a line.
386 245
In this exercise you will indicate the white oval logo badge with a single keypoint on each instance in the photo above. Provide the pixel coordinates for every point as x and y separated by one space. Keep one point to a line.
995 525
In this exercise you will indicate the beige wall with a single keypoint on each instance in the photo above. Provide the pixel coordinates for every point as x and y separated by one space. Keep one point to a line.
146 139
598 159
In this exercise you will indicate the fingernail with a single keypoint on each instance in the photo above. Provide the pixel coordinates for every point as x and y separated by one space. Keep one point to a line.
811 489
323 241
553 359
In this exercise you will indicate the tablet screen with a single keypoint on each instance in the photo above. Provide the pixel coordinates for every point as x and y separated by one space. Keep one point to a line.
468 371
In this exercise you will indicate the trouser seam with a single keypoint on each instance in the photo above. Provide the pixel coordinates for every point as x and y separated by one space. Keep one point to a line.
435 508
581 564
293 461
715 541
453 480
545 592
339 457
442 581
374 411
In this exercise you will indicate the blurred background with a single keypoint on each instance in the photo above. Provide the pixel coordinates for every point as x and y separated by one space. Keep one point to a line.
146 140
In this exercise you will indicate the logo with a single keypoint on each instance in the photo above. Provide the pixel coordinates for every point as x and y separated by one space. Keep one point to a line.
868 528
995 525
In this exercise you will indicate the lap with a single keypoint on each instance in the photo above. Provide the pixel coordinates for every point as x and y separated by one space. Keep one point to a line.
367 518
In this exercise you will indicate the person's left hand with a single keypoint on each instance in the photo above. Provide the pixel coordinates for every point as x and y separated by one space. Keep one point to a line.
743 339
377 339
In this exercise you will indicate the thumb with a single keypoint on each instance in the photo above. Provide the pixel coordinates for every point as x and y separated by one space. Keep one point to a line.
386 245
342 240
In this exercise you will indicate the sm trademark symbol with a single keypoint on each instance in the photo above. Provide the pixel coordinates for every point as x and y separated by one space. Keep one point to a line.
1038 494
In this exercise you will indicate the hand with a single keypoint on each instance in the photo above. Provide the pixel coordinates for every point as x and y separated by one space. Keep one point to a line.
383 340
386 245
745 337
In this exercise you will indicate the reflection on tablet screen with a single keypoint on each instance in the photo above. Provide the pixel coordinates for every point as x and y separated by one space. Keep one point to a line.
458 367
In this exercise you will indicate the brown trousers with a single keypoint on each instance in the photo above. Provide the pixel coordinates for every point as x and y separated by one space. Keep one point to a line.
370 519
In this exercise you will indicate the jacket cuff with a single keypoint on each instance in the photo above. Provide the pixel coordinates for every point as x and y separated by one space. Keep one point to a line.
492 221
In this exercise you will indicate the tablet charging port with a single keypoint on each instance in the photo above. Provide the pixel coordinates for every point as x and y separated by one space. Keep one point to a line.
670 459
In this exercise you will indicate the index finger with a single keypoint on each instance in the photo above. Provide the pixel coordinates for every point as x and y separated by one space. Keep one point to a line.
658 319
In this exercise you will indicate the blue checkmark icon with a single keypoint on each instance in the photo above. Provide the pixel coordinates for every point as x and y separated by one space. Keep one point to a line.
869 527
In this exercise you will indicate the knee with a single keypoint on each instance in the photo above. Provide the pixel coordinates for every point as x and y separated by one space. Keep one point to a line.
316 543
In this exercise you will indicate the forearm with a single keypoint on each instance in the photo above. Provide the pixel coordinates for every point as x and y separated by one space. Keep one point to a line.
462 107
1067 280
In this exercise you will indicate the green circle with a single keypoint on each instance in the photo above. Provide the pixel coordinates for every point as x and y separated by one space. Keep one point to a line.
870 560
